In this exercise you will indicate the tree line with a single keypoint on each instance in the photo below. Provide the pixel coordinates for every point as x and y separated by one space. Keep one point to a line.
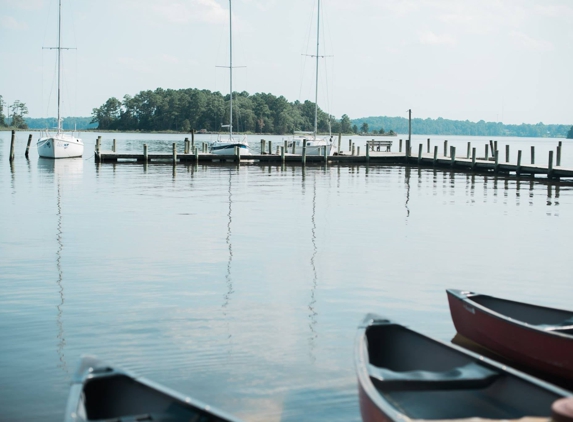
442 126
185 109
16 114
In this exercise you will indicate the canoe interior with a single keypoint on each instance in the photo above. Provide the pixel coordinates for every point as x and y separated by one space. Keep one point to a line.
120 396
505 396
531 314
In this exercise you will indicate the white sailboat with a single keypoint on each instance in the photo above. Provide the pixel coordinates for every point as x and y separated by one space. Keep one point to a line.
315 145
59 144
225 145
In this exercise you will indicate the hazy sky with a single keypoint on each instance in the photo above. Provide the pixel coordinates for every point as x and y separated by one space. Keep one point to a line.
496 60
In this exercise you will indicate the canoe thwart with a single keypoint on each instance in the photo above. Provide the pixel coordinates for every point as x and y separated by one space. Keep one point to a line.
471 375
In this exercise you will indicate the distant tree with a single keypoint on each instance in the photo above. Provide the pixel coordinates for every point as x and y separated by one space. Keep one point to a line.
19 110
381 131
364 128
354 129
345 124
2 117
107 116
570 134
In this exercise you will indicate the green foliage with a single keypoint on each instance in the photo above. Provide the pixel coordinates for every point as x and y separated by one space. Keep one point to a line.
570 133
364 127
18 111
354 129
68 123
2 117
442 126
184 109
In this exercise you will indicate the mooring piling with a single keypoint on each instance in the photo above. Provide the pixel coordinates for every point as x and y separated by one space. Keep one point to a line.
532 154
12 141
28 145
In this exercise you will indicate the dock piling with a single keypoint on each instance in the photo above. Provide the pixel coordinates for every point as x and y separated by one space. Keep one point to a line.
518 169
349 145
496 161
192 139
435 154
368 153
113 145
473 158
304 152
270 147
186 148
486 152
283 148
445 148
28 146
420 146
532 154
353 148
98 145
428 145
507 153
469 149
145 156
238 154
453 155
174 153
357 150
550 165
400 146
12 141
558 157
339 139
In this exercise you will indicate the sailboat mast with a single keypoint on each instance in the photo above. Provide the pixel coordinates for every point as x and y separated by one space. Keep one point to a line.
59 60
316 84
231 72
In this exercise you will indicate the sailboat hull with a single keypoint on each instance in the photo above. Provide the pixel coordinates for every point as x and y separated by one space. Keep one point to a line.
60 146
224 148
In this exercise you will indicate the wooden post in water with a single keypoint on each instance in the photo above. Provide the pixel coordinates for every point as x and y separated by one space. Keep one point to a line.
145 153
532 154
196 152
12 141
368 153
558 158
283 149
435 154
410 127
339 140
495 146
473 158
28 146
507 153
420 146
408 149
496 160
518 169
192 139
270 147
113 145
186 151
550 165
491 147
400 148
238 154
353 148
357 150
325 155
486 152
278 149
285 145
174 153
304 152
293 147
98 145
428 145
349 145
453 155
469 149
445 148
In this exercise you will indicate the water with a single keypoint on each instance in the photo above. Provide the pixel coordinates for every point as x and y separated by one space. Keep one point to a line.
243 286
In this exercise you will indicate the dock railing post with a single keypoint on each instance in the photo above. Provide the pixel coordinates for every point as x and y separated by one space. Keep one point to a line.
435 154
113 145
453 155
270 147
507 153
293 147
174 153
304 152
428 145
469 149
285 145
400 146
420 146
532 154
186 150
358 150
486 152
518 169
12 141
283 148
145 155
558 157
445 148
262 146
28 145
550 165
473 158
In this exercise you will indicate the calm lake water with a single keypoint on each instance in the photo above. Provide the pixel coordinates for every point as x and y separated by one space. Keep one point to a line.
242 286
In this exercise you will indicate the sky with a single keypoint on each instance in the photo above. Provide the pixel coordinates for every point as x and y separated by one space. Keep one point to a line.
507 61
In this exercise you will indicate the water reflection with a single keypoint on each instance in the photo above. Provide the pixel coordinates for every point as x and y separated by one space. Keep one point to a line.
311 306
228 279
61 171
407 181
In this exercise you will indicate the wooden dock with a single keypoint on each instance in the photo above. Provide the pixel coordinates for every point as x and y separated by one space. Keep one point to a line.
353 157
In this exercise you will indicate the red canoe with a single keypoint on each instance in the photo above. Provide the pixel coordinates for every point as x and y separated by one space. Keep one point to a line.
405 376
536 337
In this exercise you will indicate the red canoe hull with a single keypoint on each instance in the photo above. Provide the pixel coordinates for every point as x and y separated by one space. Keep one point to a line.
527 345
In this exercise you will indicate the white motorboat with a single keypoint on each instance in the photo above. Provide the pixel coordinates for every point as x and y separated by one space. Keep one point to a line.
59 144
226 144
315 145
